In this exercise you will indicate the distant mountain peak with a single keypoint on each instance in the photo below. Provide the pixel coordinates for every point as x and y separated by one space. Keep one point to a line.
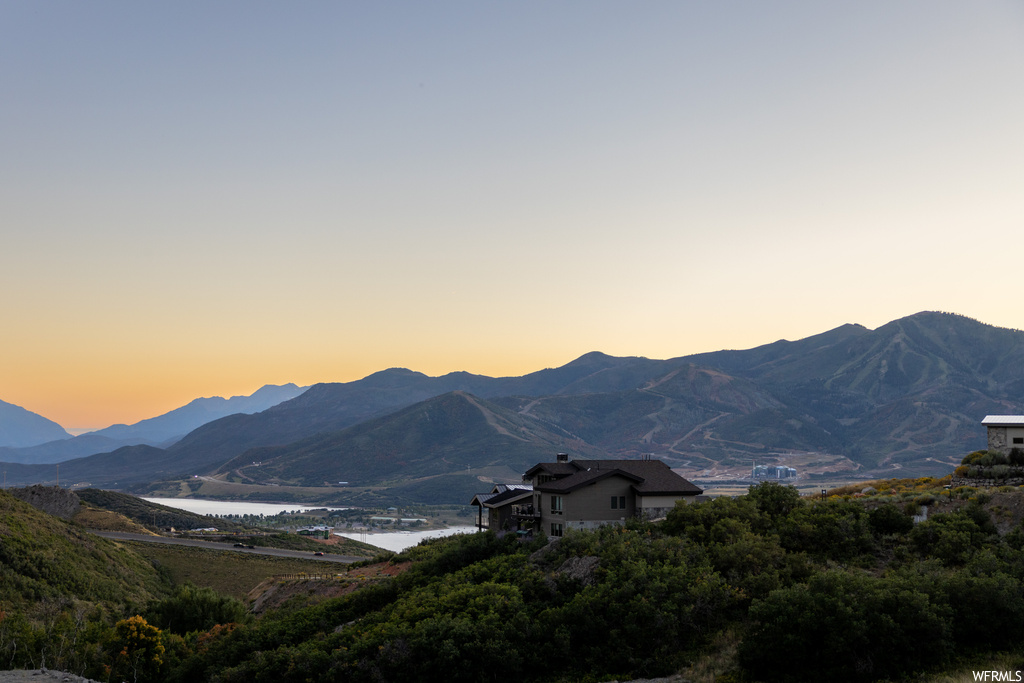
592 357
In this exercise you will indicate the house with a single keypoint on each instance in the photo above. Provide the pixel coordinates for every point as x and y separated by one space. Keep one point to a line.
499 504
585 494
1005 432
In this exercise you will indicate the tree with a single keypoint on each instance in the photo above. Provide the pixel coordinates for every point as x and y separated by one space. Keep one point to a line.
196 609
774 500
137 649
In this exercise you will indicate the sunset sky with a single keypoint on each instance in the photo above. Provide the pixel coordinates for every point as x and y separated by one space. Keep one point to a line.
201 198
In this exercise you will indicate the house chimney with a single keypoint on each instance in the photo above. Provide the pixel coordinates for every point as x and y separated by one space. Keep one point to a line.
562 457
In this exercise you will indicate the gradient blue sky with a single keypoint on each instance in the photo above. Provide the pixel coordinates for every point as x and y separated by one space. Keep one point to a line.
200 198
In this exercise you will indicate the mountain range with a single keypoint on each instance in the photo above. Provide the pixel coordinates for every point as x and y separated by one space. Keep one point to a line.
32 439
904 399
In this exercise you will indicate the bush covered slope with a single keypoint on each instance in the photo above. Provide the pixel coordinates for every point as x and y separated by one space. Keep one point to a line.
764 587
45 559
841 589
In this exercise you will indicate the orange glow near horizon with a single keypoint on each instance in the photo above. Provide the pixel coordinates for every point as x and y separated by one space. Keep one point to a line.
93 393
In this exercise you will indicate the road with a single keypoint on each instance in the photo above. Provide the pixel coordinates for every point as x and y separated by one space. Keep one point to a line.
214 545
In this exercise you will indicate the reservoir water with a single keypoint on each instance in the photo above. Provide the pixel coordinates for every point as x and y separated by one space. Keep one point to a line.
229 507
395 541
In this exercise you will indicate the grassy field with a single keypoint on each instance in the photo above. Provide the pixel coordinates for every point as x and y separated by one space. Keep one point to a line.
231 573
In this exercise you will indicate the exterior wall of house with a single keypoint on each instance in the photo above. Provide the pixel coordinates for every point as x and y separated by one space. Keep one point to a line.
1003 439
658 501
590 506
656 507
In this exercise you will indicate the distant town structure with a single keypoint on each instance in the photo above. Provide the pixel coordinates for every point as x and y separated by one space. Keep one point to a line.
319 531
585 494
772 472
1005 432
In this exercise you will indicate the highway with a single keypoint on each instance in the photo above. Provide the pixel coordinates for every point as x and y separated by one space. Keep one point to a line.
214 545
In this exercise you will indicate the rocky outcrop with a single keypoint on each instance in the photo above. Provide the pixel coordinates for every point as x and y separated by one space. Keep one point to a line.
579 568
52 500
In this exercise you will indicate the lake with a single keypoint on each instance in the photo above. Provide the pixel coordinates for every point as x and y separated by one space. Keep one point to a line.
230 507
397 541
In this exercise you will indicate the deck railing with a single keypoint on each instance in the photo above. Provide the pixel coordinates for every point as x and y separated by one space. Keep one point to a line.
525 512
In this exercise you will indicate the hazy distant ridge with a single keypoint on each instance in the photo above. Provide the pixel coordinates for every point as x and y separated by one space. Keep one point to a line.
20 428
180 421
163 430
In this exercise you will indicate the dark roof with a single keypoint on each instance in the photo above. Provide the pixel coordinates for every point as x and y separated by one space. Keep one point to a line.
585 477
481 498
649 477
508 496
556 469
502 494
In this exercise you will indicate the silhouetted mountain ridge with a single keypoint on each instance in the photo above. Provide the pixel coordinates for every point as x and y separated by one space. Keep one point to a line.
909 395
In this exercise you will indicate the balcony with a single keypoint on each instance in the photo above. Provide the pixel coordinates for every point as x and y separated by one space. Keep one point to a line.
525 512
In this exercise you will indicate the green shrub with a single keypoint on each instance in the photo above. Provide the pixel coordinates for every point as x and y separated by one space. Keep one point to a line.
887 519
843 626
191 608
953 537
835 529
774 500
972 458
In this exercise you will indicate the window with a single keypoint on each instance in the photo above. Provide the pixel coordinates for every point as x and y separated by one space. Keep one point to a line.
556 505
1018 439
618 502
556 530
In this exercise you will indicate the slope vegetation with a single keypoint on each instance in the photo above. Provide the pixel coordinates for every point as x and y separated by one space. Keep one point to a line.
46 563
